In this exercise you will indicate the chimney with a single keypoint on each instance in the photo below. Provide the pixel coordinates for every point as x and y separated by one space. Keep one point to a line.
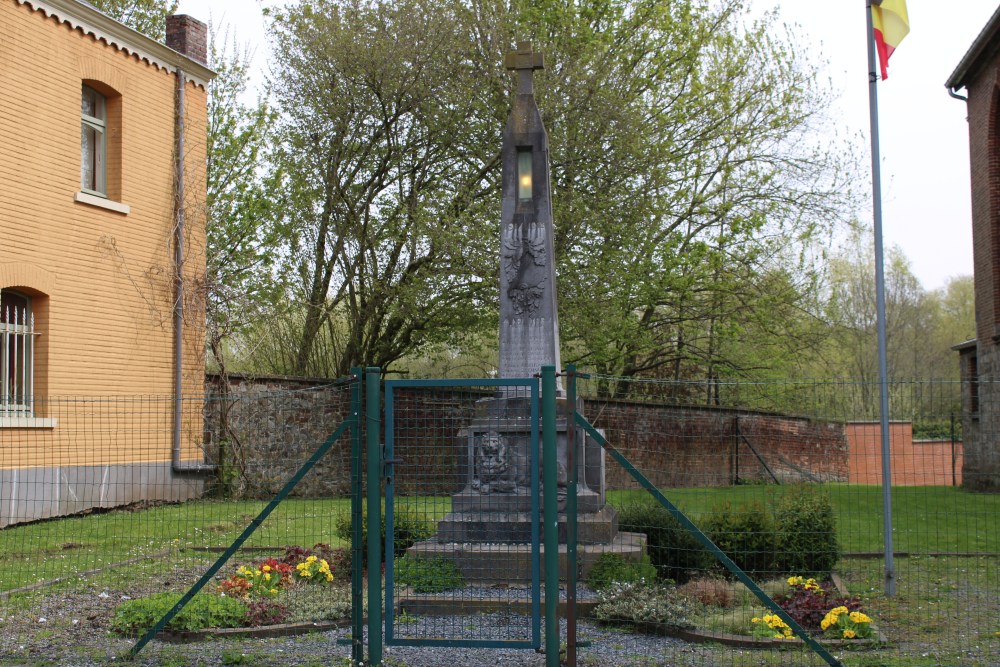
189 36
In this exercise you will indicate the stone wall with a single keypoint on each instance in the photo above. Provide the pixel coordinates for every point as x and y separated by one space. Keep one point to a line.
274 425
280 421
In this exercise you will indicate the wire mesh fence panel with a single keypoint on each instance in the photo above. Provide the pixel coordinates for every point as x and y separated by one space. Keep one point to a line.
462 558
786 479
114 503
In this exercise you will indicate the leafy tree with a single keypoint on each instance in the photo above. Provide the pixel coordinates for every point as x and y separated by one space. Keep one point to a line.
383 179
682 183
241 234
147 16
921 327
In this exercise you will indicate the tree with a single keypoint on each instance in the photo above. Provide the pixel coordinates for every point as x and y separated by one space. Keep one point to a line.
921 327
678 164
147 16
241 229
381 185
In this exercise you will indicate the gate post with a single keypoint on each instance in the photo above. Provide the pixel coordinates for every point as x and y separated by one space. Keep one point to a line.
357 548
550 513
372 431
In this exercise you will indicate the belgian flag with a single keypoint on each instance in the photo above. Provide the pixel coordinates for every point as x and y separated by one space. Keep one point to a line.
891 24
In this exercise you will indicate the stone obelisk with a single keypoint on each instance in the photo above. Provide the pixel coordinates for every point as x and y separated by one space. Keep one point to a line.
529 318
488 532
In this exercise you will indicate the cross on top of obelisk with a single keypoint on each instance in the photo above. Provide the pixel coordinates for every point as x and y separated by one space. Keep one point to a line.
525 61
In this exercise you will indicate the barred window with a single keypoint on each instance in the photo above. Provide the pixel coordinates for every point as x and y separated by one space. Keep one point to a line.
17 348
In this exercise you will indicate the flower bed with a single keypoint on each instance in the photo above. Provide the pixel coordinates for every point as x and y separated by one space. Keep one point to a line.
304 588
725 612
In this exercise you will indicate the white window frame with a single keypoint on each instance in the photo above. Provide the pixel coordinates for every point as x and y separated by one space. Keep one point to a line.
17 348
97 124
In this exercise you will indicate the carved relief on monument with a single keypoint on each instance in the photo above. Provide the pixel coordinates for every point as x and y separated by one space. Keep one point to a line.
500 466
524 265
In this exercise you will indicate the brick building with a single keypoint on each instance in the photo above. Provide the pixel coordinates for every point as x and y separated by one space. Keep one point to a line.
979 74
102 227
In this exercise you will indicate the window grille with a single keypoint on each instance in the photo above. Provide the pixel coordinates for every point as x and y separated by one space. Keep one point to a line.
17 346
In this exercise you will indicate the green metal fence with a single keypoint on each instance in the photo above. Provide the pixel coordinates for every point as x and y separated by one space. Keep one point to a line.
785 478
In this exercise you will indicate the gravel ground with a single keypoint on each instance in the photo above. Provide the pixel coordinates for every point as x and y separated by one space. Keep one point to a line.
69 627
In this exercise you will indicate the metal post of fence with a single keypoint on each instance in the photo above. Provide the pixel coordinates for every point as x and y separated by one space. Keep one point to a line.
550 514
357 548
571 485
954 474
373 432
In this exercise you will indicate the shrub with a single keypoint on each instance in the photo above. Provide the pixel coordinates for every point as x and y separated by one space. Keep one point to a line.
338 559
675 553
746 534
410 527
640 602
806 533
428 575
203 611
309 604
809 605
265 612
709 592
613 568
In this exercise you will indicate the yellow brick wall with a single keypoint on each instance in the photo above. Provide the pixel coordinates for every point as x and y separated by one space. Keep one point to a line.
107 276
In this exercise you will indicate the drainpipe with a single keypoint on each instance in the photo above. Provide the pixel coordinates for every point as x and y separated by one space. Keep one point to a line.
175 458
951 91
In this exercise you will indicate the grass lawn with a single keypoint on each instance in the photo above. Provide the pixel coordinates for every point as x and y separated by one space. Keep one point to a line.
927 520
61 547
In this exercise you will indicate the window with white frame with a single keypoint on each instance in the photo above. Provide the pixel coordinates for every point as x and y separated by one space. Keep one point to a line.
17 349
93 142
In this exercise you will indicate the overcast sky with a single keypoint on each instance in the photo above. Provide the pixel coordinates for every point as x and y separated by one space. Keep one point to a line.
924 134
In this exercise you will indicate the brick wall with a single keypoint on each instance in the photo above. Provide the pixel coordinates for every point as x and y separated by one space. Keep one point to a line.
981 465
914 462
100 279
715 447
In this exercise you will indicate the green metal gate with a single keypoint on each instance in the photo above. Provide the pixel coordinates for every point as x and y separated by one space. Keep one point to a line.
449 543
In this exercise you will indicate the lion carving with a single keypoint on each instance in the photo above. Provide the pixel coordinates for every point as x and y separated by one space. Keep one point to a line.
499 468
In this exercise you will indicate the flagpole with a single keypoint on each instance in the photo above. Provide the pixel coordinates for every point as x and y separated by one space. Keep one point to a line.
883 366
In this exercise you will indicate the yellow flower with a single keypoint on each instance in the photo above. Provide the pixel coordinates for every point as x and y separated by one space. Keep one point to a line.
825 623
858 617
267 576
839 610
274 590
849 634
266 568
756 619
311 559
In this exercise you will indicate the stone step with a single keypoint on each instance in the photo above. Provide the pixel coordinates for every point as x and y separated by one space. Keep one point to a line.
511 563
515 527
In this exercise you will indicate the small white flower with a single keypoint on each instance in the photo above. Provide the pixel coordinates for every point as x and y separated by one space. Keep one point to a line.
43 620
76 621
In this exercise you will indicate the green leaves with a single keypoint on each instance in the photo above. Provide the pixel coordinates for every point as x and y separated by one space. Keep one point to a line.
147 16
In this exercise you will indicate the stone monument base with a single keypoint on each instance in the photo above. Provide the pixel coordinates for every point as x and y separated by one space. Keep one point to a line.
598 527
505 563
